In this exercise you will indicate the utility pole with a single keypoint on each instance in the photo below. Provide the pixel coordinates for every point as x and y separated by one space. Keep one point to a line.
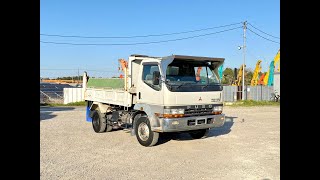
244 55
78 76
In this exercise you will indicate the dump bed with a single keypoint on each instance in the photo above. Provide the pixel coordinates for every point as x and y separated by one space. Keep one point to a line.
108 83
109 91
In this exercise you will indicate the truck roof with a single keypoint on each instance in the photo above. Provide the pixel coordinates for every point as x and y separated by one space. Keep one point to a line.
197 58
184 57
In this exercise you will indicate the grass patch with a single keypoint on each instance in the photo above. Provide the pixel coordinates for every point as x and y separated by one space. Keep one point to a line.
254 103
81 103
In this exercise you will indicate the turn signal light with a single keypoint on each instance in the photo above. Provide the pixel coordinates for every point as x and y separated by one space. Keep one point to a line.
172 115
217 112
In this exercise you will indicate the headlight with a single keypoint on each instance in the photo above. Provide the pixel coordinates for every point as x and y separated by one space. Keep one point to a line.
217 109
173 113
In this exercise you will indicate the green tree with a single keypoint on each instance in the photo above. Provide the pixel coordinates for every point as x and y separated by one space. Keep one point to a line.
248 77
70 78
228 76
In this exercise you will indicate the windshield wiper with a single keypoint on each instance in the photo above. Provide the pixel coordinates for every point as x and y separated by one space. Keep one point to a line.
215 84
184 84
205 86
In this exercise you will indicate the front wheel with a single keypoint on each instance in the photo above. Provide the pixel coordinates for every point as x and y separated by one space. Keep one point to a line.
197 134
144 135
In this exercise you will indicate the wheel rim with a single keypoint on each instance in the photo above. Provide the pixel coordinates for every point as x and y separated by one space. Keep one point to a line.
143 131
95 122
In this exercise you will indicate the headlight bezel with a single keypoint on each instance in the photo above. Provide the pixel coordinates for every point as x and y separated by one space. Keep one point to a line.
217 108
173 113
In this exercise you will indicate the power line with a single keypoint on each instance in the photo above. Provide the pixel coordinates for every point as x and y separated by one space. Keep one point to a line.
56 69
262 31
138 36
262 36
75 70
152 42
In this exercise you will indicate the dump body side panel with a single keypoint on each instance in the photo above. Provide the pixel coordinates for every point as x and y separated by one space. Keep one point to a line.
108 96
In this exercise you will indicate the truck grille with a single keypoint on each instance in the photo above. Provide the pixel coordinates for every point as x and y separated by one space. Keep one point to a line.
197 112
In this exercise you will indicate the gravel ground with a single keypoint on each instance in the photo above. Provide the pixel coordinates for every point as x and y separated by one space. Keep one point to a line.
246 147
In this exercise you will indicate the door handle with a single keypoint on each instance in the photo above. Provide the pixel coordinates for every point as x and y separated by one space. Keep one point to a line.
139 95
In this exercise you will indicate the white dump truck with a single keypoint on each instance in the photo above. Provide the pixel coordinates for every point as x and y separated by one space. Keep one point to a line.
157 95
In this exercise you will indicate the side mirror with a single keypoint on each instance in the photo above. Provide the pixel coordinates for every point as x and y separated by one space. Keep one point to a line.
156 78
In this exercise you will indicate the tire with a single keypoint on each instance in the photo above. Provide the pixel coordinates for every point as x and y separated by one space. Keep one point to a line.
143 132
198 134
98 122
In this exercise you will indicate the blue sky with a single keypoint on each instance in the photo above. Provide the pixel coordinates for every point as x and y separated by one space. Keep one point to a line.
142 17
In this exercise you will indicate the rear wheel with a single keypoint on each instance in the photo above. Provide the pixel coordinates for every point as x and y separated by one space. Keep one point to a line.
98 122
144 135
198 134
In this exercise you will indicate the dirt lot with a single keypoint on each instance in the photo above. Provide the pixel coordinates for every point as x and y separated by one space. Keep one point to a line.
246 147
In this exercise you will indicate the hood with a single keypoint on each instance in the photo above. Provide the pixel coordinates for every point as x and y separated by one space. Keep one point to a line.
192 98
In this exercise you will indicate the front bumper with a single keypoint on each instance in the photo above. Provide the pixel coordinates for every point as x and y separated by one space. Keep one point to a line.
192 123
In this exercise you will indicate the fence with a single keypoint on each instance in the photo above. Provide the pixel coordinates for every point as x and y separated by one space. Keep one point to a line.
72 95
257 93
229 93
276 82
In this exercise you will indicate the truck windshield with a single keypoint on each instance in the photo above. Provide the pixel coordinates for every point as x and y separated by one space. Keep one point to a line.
191 76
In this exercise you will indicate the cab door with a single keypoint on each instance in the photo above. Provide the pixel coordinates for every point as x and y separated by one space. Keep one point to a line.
149 89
